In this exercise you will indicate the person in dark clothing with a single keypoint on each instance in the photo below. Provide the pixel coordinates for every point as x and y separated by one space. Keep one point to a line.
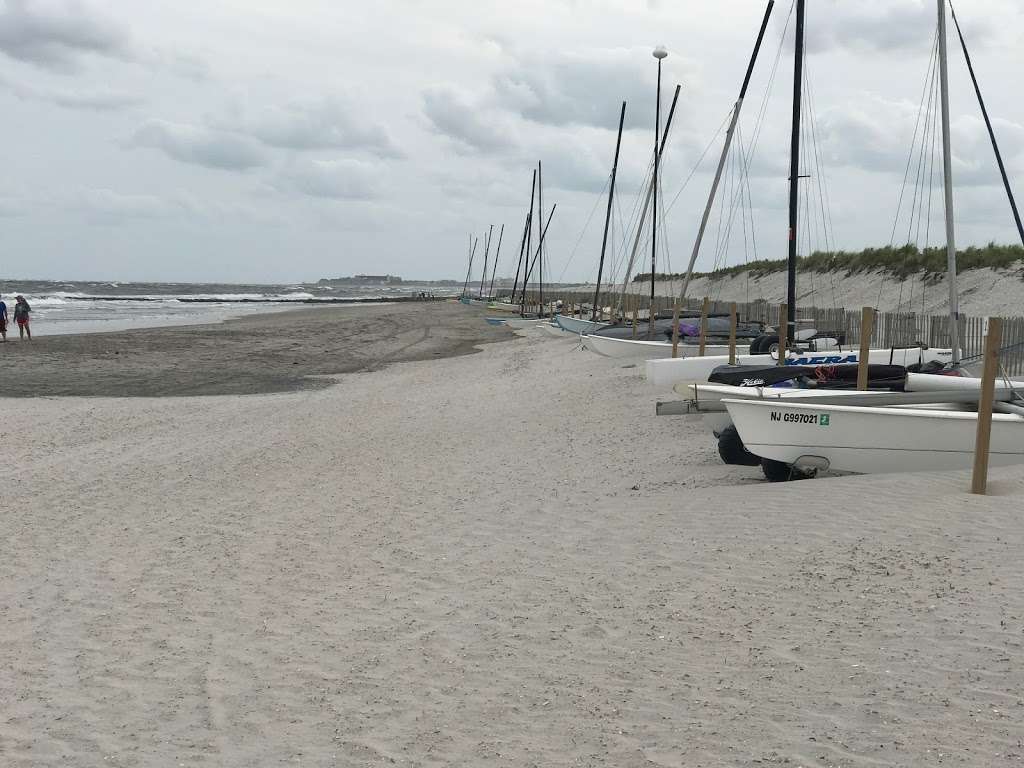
3 319
21 313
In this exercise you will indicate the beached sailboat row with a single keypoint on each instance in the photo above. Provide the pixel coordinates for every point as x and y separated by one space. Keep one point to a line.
800 402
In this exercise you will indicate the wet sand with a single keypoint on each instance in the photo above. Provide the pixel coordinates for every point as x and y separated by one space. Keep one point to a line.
260 354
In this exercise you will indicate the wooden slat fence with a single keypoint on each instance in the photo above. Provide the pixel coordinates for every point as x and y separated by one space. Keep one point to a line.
890 329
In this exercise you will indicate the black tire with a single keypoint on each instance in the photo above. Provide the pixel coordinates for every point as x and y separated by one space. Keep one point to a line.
780 472
732 450
762 344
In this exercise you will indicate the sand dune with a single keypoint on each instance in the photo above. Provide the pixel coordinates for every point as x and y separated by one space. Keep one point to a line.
503 558
982 292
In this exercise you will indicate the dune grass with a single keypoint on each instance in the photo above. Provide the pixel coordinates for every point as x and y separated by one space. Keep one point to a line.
900 262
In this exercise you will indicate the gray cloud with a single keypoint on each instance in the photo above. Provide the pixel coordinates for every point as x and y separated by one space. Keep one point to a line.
95 100
188 66
332 179
56 36
455 115
11 207
199 146
587 87
107 205
328 123
886 26
872 134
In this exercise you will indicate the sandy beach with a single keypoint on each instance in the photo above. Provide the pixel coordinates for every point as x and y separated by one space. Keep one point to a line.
344 540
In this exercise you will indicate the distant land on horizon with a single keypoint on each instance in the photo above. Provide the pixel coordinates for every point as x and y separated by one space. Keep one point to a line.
499 282
380 280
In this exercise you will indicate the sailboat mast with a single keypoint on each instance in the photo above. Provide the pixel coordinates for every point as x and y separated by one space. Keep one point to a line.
988 125
532 265
608 215
947 179
529 247
643 213
519 267
725 153
523 248
991 132
469 271
789 333
494 269
487 250
540 237
659 53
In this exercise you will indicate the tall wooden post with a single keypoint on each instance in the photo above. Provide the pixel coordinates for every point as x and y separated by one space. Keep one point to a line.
783 314
703 326
979 481
867 322
634 319
732 333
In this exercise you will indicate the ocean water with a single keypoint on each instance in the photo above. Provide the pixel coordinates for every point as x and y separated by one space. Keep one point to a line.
61 307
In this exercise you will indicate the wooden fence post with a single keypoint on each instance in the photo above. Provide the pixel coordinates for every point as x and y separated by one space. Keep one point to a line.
783 315
732 334
703 326
867 318
979 480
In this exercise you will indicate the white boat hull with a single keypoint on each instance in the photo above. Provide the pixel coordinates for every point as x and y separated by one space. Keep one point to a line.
577 324
524 322
643 349
709 399
872 440
668 372
550 329
502 307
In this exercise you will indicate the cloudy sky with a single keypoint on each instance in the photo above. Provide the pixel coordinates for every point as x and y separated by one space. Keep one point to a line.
264 140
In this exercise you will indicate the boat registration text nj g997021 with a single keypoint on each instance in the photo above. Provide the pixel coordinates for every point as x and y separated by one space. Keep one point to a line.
822 420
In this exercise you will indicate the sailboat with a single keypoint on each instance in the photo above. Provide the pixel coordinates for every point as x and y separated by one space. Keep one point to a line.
795 439
610 344
528 320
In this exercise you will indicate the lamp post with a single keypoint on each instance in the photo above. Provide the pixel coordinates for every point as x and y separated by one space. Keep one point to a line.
659 53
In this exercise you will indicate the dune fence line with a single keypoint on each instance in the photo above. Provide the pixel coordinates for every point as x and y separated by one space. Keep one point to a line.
891 329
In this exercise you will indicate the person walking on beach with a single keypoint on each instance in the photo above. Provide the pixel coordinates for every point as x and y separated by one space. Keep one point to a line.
3 319
21 312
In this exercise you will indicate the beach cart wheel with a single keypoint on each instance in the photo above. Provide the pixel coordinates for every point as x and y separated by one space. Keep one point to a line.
762 345
781 472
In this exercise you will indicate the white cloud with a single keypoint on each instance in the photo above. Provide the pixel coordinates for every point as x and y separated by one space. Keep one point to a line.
409 148
326 123
99 100
331 179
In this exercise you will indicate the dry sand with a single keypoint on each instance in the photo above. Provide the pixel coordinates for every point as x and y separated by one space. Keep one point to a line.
497 559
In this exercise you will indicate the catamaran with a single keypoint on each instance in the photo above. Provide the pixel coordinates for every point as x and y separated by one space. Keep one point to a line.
795 439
